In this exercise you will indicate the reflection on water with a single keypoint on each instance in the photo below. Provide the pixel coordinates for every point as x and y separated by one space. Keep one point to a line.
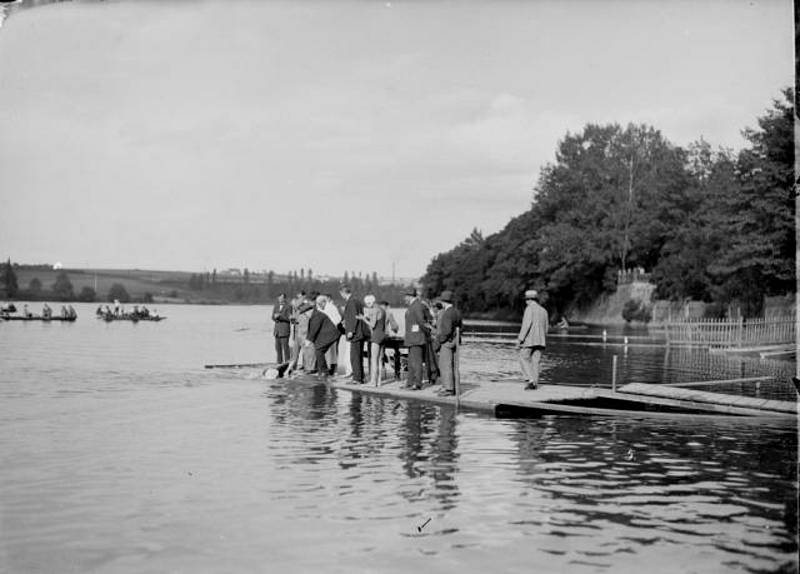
121 454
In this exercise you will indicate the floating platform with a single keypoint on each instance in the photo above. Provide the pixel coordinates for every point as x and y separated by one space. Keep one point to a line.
637 400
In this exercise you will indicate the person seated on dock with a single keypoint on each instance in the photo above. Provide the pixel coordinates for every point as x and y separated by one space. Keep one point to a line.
71 313
26 312
563 323
145 312
322 334
47 312
64 313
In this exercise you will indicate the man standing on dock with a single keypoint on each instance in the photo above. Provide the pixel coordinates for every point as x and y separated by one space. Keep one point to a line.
281 314
448 330
355 331
416 338
322 334
531 338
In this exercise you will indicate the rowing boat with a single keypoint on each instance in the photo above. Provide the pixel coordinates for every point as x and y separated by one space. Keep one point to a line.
134 319
37 318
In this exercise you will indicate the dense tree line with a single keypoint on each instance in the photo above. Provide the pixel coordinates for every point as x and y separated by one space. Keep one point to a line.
245 290
711 225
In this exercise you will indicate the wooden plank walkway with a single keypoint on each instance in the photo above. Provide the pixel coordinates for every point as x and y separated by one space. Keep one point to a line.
677 393
718 382
499 397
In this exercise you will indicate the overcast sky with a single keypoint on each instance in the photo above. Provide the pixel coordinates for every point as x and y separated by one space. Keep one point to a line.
340 135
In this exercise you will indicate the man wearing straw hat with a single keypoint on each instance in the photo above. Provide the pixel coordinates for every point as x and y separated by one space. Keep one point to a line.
531 338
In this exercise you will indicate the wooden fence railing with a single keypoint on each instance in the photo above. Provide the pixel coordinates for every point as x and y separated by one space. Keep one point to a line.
732 333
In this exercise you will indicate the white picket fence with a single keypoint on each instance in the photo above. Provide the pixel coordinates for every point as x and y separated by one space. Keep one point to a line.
732 333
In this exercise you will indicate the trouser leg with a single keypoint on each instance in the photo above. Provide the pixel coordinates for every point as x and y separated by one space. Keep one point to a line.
344 356
278 350
322 365
535 368
309 358
433 367
332 356
446 371
525 363
286 351
375 363
357 360
415 365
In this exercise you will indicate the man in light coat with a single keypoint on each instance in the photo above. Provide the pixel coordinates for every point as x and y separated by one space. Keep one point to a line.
531 338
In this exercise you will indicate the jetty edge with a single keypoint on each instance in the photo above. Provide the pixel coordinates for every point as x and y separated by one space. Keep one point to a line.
506 398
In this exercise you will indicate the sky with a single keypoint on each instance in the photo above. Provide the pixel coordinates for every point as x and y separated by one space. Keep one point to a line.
340 135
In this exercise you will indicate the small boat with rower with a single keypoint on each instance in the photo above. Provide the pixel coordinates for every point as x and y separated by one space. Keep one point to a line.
108 318
5 317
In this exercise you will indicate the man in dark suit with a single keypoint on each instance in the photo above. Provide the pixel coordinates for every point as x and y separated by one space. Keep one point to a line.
322 334
282 315
356 331
448 329
416 337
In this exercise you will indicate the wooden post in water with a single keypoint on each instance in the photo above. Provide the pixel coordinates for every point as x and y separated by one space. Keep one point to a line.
614 374
456 369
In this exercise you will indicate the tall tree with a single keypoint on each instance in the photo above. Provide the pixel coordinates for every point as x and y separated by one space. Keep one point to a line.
761 257
35 287
118 293
62 288
10 280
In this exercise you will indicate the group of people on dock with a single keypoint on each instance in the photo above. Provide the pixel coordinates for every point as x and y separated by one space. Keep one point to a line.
315 335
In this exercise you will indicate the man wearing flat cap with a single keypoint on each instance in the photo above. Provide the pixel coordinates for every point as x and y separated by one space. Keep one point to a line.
416 337
448 331
531 338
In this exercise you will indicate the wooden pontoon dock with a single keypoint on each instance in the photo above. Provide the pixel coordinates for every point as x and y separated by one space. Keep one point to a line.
636 400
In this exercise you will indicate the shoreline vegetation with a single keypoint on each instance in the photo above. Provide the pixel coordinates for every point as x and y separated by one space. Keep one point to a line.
45 283
624 205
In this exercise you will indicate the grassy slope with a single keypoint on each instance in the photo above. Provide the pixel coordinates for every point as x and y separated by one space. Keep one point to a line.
137 282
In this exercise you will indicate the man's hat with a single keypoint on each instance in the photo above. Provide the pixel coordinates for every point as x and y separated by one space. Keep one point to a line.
446 296
411 292
305 307
531 294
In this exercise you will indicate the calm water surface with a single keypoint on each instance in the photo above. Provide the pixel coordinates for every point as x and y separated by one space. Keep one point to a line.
120 453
